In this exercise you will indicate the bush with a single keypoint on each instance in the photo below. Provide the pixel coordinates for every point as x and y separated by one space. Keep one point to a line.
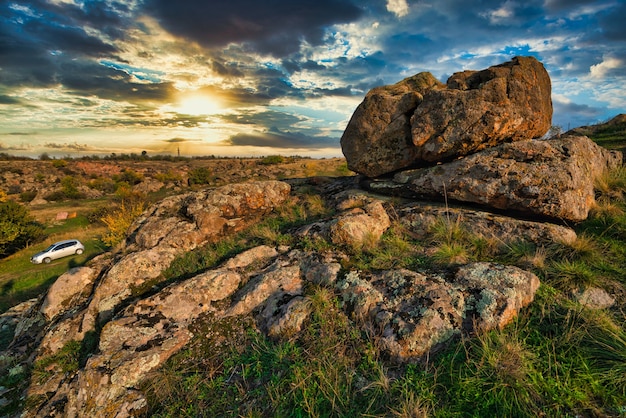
130 176
272 159
200 175
119 221
17 228
169 176
28 196
103 184
59 163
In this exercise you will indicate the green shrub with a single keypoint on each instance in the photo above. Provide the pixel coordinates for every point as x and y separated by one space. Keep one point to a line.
169 176
59 163
129 176
200 175
272 160
17 228
69 190
28 196
103 184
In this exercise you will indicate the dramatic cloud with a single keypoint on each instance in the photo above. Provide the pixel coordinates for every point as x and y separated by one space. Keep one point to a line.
278 27
229 76
274 138
398 7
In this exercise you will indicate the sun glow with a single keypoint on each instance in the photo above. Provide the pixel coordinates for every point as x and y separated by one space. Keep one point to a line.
198 105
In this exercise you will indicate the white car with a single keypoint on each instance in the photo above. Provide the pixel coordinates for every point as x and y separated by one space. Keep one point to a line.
58 250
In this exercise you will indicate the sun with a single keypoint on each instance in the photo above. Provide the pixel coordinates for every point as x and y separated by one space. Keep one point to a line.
198 105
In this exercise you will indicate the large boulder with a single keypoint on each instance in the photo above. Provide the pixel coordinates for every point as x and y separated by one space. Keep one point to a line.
547 179
378 138
421 121
480 109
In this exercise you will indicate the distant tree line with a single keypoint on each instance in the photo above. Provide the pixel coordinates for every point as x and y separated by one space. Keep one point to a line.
137 157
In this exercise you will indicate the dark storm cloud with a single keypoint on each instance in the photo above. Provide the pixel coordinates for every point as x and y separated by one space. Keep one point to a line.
179 140
21 147
45 45
88 78
226 70
276 26
20 133
276 138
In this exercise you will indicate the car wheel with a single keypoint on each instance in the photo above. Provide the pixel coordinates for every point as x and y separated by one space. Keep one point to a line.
79 251
47 260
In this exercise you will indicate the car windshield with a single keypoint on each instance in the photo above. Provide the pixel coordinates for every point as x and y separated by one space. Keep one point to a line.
49 248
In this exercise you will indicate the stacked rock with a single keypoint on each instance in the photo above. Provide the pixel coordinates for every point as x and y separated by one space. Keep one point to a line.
474 139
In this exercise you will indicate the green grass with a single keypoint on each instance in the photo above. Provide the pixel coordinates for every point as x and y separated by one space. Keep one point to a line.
612 137
21 280
330 369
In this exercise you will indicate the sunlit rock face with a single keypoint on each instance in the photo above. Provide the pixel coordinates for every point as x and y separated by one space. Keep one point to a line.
421 121
542 179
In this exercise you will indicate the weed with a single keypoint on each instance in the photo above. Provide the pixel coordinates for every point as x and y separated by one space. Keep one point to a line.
395 249
571 274
450 253
66 360
584 247
200 175
445 231
612 183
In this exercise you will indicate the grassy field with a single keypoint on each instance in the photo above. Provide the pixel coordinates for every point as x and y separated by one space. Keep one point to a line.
21 280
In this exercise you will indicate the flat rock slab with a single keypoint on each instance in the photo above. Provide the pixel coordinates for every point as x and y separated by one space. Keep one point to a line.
547 179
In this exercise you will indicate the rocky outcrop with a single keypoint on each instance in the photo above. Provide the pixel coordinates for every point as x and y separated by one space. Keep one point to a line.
138 325
417 314
176 225
547 179
474 140
420 121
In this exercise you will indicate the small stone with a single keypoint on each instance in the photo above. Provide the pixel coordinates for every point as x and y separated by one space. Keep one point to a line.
595 298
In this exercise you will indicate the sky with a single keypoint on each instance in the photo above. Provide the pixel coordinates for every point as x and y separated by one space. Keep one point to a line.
252 78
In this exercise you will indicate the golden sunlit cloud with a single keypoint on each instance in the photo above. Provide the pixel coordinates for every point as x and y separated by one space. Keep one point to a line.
196 105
